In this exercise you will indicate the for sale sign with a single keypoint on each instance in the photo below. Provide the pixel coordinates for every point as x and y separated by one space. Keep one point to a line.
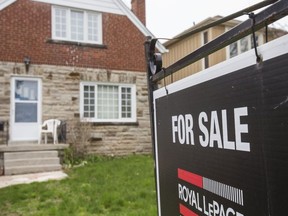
221 138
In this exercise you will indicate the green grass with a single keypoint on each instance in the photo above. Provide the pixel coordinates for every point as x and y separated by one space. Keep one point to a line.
112 187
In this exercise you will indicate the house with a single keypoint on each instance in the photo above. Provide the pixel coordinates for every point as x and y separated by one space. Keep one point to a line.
81 62
186 42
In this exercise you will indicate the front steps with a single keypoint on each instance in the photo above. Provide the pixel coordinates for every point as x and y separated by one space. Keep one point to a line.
24 158
31 162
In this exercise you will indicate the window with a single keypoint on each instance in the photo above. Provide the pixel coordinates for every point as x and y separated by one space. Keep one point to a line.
243 45
76 25
205 41
107 102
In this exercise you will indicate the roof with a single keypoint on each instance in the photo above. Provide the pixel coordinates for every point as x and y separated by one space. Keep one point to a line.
108 6
199 25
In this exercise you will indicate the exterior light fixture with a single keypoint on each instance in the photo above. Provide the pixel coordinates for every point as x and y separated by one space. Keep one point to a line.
27 62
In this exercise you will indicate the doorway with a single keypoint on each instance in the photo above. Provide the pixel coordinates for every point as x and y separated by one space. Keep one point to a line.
25 113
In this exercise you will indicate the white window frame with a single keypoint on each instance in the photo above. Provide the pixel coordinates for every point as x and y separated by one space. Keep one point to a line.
133 117
68 25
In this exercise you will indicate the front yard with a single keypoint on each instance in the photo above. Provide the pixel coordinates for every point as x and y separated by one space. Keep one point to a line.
104 186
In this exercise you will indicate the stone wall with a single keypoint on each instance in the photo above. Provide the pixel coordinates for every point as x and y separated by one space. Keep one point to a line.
60 95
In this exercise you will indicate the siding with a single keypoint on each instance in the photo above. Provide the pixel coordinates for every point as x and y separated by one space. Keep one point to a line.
220 55
178 51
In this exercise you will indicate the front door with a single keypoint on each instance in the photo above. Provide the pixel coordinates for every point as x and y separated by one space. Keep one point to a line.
25 109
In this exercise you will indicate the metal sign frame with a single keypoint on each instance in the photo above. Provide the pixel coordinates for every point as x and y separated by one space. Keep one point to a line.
155 72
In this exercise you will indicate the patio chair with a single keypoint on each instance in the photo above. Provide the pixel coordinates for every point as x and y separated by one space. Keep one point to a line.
49 127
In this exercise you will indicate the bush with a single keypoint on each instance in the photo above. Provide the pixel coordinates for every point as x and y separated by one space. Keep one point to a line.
80 135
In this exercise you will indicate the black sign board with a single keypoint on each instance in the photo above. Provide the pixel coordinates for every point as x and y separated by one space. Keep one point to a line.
221 138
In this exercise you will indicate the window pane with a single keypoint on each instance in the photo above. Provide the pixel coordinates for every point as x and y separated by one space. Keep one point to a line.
252 41
77 25
107 101
89 101
26 112
60 23
26 90
126 103
93 27
233 48
244 44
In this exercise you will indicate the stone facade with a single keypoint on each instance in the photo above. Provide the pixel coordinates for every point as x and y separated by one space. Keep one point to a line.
60 99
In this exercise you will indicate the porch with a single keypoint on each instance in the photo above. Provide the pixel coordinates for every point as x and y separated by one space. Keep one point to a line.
22 158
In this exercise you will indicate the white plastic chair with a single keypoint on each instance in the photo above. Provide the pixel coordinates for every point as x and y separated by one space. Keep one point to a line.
49 127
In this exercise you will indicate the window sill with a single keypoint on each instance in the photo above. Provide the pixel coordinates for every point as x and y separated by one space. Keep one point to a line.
115 123
100 46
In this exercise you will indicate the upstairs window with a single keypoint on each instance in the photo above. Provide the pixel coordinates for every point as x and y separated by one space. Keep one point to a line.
107 102
243 45
76 25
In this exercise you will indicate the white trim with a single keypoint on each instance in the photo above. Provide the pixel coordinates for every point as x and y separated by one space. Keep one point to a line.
121 85
5 3
156 159
107 6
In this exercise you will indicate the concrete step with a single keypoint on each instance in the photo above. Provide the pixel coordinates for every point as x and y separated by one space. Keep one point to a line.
29 155
31 169
31 162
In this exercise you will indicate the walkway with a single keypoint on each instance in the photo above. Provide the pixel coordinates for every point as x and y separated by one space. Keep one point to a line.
6 181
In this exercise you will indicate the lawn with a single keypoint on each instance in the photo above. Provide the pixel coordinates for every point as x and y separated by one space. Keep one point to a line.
104 186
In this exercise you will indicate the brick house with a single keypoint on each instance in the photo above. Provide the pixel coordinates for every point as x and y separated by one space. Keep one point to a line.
76 61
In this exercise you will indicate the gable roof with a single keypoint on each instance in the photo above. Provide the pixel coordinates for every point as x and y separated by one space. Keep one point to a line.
108 6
